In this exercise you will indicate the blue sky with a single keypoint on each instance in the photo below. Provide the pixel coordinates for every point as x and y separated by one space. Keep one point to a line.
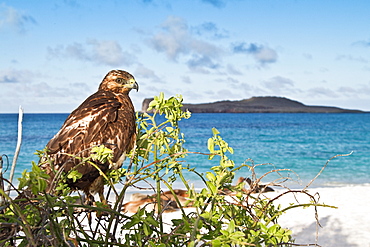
54 54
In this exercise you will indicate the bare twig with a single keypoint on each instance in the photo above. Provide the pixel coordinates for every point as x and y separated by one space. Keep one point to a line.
2 199
323 168
18 147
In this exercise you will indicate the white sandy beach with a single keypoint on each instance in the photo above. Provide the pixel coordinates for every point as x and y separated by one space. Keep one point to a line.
346 226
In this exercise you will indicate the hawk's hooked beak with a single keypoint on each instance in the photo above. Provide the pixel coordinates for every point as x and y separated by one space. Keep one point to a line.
136 86
133 85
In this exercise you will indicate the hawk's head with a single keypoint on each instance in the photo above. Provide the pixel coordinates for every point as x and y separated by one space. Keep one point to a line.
119 81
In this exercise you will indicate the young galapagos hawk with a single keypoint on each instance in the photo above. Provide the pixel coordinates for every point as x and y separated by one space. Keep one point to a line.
105 118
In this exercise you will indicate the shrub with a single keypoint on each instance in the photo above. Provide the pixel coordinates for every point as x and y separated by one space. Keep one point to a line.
37 218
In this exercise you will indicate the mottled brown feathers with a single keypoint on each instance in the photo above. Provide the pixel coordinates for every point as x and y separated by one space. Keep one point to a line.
107 117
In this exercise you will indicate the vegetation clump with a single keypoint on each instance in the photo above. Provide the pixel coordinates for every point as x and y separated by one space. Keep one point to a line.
221 214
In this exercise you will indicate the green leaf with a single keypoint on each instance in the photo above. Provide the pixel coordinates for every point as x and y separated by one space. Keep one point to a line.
169 129
36 169
210 176
273 229
152 221
74 175
215 131
41 185
211 145
216 243
102 154
212 187
231 226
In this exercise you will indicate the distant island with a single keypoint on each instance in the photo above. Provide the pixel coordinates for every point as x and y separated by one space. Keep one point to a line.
269 104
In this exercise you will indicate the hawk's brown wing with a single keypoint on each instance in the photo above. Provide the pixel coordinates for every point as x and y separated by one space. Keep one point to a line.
103 118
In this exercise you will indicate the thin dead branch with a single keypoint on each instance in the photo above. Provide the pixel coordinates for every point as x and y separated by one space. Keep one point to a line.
18 147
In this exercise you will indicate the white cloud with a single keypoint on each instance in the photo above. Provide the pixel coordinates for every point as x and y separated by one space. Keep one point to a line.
307 56
145 73
13 19
176 42
318 92
261 53
186 79
16 76
192 96
362 89
210 29
266 55
200 62
77 50
110 52
232 70
228 94
107 52
279 84
359 59
228 80
44 97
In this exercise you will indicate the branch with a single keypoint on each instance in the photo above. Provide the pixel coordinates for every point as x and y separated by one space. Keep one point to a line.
19 143
323 168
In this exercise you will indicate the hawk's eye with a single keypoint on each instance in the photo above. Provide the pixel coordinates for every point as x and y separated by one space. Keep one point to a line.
119 80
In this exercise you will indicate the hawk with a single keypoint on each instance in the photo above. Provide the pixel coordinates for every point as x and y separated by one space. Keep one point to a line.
105 118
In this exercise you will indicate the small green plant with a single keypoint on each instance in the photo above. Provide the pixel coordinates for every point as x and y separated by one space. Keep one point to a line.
35 180
39 218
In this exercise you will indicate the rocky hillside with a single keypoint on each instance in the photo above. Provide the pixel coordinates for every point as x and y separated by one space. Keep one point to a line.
258 105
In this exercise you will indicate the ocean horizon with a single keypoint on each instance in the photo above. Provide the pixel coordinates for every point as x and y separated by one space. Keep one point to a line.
301 142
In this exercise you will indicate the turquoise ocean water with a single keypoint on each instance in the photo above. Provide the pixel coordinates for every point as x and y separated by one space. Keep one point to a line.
301 142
